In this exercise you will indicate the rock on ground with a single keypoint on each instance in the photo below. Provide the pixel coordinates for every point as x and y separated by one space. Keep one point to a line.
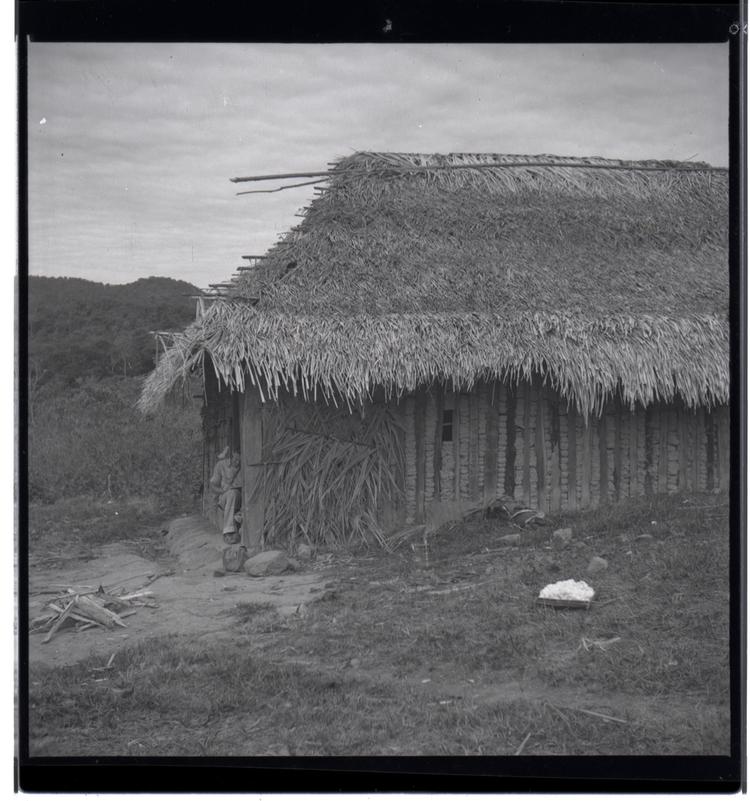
562 536
267 563
304 552
596 564
194 542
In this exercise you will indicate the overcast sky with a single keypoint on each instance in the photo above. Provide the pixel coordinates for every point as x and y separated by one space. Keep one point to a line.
131 145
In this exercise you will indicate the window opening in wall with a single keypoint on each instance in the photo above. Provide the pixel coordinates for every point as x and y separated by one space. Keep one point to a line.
448 425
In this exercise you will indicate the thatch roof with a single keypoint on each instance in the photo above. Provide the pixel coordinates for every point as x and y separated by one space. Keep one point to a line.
602 279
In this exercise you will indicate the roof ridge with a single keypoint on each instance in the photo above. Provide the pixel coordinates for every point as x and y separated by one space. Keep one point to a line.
397 158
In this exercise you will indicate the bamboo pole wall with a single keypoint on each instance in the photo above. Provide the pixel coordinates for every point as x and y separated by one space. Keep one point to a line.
253 454
448 450
410 458
527 444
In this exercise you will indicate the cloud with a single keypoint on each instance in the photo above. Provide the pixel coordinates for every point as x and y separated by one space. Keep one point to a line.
129 175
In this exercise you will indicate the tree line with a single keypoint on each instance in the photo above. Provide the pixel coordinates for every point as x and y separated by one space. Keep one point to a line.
84 329
89 350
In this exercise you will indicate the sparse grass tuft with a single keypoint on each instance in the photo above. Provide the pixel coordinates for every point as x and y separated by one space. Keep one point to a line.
258 618
75 527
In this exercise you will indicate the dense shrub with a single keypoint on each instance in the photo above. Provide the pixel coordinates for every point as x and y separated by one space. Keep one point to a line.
90 440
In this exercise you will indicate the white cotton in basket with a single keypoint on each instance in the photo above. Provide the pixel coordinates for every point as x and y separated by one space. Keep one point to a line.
569 590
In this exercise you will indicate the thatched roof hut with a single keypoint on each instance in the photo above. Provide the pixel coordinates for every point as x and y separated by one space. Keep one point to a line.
548 329
606 278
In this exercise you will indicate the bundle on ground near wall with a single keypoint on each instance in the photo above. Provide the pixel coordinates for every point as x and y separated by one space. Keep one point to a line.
557 333
329 476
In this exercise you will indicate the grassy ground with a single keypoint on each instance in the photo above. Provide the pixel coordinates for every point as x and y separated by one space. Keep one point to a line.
73 529
455 659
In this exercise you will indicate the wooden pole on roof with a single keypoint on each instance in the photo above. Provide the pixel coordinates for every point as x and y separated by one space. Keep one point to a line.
497 165
279 176
278 188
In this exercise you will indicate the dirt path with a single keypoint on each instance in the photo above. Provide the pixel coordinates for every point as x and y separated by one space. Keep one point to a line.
191 600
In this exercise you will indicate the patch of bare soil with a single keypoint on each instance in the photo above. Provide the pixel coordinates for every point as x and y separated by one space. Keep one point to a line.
191 600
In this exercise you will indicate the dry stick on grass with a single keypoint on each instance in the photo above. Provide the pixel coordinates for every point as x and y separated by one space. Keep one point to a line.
87 626
99 613
520 747
59 622
597 715
42 620
564 719
153 578
75 615
72 593
108 666
458 589
133 595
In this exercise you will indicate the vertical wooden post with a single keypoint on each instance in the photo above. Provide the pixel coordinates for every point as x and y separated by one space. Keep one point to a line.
526 479
699 451
437 459
572 458
483 400
473 444
632 457
490 450
617 472
650 452
711 482
588 447
235 421
542 501
638 468
603 460
663 447
399 411
420 407
269 512
682 456
410 459
456 447
501 396
253 471
510 443
723 458
555 490
429 448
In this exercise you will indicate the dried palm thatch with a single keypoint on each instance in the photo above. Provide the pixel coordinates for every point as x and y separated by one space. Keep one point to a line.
329 473
603 280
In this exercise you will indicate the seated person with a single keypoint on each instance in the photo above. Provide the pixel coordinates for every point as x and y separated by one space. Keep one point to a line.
226 484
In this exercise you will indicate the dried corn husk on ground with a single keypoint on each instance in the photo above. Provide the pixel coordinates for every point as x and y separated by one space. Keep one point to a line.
84 608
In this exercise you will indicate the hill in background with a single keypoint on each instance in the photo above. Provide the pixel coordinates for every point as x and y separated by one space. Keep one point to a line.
80 328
